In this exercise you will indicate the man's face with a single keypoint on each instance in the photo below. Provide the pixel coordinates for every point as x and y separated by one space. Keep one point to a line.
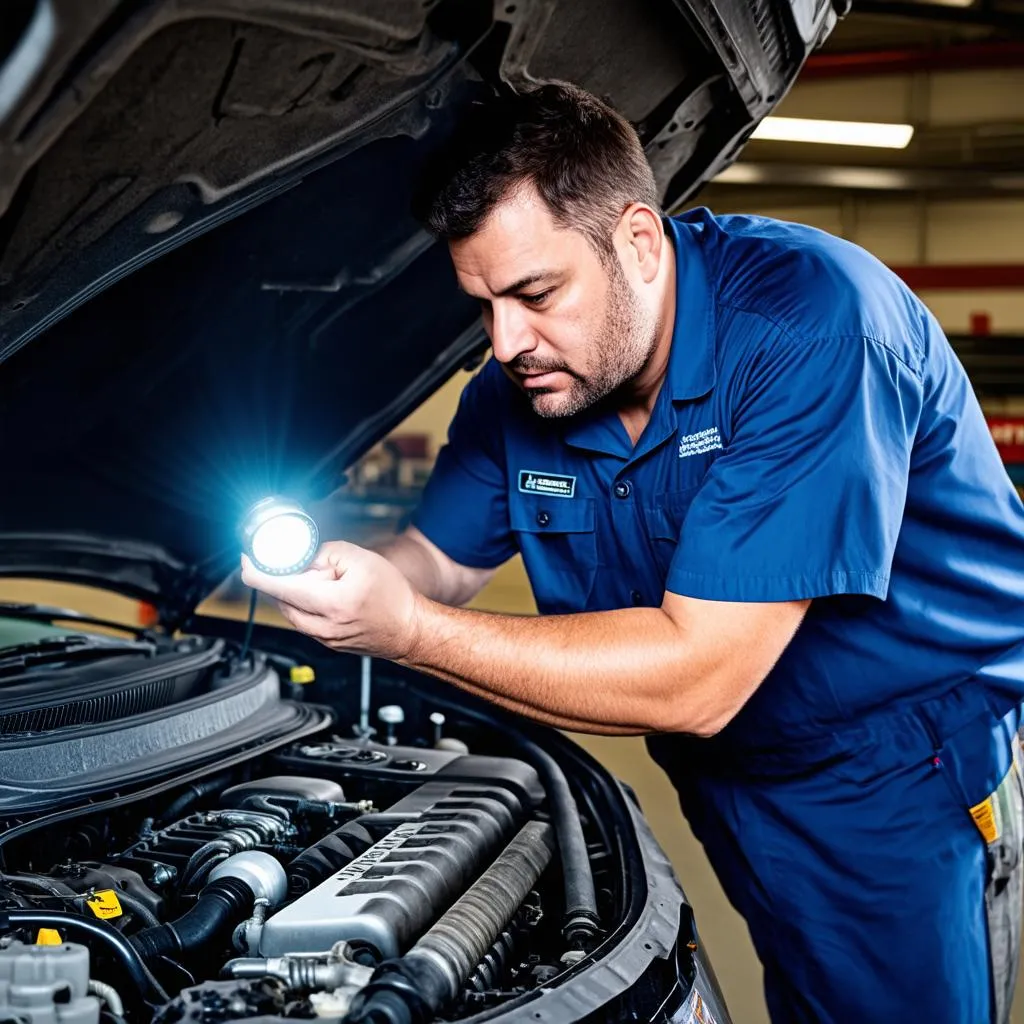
567 328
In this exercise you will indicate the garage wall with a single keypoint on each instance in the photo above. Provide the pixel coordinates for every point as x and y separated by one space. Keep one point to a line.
943 99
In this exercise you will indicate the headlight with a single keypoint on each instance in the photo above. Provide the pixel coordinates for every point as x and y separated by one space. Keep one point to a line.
280 536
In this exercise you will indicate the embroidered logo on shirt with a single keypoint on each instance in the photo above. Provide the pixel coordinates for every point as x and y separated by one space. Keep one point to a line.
532 482
699 443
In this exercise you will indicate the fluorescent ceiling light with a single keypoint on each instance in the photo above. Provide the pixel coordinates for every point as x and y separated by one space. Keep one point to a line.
835 133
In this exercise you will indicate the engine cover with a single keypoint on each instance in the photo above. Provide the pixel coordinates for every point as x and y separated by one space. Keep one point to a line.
365 762
443 836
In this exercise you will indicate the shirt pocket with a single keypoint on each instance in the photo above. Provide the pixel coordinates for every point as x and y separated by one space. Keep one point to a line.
663 520
558 541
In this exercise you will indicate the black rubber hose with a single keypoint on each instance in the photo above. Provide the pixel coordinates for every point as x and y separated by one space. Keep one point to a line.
83 930
250 620
220 906
412 988
581 924
198 789
146 916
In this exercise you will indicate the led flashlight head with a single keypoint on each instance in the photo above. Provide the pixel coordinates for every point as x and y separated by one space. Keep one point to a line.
279 536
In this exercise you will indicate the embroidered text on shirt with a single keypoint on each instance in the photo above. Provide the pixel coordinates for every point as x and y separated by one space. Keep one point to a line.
699 443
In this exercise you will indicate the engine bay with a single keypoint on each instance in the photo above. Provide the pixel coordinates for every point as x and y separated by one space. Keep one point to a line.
392 876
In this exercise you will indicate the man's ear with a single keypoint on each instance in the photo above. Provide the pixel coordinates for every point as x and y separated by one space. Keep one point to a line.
644 235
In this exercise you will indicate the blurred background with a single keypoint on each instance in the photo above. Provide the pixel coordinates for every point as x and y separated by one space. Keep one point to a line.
941 201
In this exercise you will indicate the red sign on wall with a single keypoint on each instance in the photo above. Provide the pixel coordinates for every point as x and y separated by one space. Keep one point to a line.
1008 435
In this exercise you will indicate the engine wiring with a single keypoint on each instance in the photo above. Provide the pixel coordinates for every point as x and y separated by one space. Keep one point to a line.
249 623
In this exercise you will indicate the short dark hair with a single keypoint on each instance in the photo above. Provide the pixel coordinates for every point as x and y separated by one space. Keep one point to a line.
583 157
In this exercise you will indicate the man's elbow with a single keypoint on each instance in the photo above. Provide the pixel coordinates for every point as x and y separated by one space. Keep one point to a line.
708 677
708 725
706 714
703 722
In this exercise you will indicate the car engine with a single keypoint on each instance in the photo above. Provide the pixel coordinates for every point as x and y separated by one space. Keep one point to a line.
354 877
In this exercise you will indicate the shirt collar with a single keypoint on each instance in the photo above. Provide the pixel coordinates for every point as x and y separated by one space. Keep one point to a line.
691 361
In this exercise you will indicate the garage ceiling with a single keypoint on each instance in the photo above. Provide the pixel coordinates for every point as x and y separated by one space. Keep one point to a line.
953 69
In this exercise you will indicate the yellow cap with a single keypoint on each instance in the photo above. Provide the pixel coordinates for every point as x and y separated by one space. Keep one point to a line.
49 937
302 674
105 904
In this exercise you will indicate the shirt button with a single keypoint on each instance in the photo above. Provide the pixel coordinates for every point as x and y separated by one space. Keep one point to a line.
543 518
622 489
636 597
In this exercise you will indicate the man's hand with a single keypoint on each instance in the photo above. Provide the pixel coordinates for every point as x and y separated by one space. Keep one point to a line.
350 599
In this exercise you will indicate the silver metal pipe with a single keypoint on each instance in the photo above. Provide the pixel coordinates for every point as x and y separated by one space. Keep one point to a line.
364 696
260 871
305 972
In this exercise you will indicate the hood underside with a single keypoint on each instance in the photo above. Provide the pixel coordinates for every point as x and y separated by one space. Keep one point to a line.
211 286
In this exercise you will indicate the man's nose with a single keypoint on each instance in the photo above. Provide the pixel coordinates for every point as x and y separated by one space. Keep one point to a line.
511 334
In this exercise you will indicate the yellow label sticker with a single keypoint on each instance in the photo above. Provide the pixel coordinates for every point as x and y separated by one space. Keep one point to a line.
984 816
302 674
105 904
49 937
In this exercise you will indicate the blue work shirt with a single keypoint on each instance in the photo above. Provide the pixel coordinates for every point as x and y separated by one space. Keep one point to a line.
815 437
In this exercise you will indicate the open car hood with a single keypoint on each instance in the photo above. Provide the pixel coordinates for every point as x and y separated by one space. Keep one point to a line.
211 287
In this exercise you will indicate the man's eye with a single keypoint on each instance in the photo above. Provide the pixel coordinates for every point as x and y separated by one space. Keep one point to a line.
535 300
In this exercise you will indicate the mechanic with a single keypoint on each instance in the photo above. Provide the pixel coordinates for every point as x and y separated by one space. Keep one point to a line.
765 525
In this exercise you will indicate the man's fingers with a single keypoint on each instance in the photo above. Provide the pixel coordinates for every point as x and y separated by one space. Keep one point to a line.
297 591
317 627
335 556
312 625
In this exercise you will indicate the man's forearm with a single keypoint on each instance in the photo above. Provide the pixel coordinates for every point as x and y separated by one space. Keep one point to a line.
602 672
573 724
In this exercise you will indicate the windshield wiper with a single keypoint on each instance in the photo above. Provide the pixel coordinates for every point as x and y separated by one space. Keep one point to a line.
50 613
68 648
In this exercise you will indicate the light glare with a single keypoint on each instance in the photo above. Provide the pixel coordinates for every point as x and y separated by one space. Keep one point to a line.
835 133
282 542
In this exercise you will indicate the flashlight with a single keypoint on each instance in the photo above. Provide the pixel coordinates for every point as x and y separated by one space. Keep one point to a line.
279 536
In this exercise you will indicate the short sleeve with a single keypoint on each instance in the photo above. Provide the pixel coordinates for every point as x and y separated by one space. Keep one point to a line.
807 499
464 507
